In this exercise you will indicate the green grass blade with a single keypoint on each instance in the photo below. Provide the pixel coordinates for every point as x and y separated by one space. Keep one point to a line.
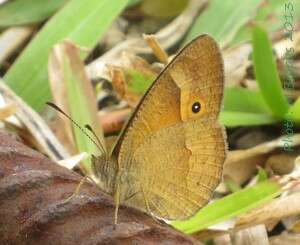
262 174
82 107
67 68
234 14
20 12
133 2
230 206
236 119
245 100
83 22
266 73
163 9
294 111
231 185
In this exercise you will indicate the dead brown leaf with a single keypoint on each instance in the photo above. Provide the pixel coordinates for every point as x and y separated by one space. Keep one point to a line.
274 211
281 163
252 235
112 122
40 131
122 77
240 165
285 239
11 39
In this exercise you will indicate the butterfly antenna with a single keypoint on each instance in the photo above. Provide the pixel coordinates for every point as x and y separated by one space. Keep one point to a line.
100 147
89 128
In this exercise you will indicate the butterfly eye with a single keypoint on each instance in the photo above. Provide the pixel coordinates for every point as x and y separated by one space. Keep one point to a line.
196 107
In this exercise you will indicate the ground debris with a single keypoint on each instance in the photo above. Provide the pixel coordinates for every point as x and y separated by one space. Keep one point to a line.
33 209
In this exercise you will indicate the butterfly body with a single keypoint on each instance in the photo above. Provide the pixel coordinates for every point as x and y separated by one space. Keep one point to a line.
168 160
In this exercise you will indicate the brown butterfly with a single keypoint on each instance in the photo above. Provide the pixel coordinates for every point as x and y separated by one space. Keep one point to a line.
168 159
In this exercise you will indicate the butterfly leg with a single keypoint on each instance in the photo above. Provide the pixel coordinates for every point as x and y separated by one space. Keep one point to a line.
117 203
77 190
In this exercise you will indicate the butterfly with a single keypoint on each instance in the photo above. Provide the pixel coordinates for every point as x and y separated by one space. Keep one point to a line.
169 157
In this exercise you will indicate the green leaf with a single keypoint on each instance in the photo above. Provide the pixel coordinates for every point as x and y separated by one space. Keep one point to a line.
232 14
269 13
163 9
236 119
266 73
20 12
245 100
230 206
138 82
83 22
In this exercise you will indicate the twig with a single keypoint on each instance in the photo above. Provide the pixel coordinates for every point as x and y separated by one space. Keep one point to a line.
159 52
